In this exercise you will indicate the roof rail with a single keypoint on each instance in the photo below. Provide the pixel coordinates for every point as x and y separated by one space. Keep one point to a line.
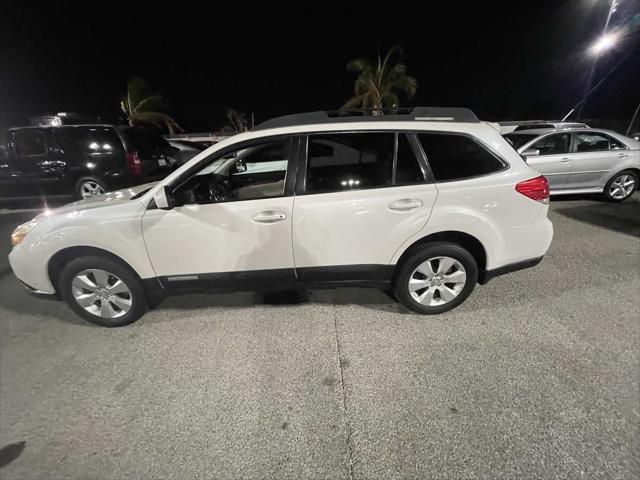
425 114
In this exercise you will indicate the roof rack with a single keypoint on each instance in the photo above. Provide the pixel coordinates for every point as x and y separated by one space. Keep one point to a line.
425 114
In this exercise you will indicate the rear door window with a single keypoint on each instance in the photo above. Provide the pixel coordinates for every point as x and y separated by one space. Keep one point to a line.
349 161
455 157
590 142
360 160
408 171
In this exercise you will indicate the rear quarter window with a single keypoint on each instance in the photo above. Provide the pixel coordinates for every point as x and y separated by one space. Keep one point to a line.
89 140
456 157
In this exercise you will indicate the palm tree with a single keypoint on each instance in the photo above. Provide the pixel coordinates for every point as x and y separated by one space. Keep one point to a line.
380 84
143 107
237 121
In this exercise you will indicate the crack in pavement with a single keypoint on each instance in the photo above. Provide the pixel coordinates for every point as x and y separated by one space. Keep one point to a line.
344 395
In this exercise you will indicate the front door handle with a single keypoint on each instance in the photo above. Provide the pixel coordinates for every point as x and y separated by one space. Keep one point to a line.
269 217
565 159
405 204
622 155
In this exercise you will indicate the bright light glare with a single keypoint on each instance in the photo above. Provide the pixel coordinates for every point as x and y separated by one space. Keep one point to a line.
605 42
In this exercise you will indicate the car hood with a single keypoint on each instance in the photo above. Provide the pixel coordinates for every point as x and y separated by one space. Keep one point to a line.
108 199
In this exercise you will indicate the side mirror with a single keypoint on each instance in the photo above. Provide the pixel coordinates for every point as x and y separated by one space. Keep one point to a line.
241 167
163 198
531 152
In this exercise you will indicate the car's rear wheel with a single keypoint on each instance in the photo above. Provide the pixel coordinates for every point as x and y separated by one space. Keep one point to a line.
621 186
436 278
102 291
88 187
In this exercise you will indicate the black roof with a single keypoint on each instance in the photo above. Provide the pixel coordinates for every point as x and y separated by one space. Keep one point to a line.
433 114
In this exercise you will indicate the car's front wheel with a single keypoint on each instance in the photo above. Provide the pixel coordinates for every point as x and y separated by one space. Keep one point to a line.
436 278
621 186
102 291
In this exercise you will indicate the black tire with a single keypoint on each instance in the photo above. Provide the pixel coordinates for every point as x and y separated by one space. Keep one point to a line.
78 187
123 272
424 253
607 187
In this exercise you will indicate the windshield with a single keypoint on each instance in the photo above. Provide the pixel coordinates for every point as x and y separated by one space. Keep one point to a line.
518 139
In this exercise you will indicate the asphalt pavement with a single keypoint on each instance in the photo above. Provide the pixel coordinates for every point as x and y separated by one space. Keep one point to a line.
537 375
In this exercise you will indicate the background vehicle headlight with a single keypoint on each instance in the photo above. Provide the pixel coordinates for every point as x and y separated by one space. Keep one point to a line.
21 231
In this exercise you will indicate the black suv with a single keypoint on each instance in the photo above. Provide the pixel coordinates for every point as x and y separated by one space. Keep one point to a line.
80 160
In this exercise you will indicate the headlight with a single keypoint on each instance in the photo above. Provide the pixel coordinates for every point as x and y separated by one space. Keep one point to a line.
21 231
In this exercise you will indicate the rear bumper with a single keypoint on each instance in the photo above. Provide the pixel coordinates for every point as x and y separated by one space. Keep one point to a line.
487 275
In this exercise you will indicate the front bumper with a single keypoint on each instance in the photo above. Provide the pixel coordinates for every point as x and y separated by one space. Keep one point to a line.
31 270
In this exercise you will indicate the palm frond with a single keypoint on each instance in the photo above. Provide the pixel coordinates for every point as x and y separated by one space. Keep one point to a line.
358 65
157 119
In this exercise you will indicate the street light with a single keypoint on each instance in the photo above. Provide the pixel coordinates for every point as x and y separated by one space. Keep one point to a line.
605 42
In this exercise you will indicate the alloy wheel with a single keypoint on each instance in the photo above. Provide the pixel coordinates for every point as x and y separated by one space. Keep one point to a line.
437 281
90 189
622 186
101 293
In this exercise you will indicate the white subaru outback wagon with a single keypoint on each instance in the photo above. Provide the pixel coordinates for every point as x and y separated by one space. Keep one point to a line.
424 202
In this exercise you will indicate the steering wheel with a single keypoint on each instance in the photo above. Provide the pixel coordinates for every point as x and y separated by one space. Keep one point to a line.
218 190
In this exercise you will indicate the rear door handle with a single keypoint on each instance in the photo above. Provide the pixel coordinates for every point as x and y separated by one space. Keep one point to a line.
405 204
622 155
269 217
565 159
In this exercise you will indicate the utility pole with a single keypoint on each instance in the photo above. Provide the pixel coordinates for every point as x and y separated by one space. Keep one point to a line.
633 119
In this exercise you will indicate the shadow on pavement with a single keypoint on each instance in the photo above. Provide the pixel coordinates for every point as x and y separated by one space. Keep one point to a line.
13 297
619 217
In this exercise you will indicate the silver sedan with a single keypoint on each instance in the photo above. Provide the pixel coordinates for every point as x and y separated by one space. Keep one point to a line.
583 160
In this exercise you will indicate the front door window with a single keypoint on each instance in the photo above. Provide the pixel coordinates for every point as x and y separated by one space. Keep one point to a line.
249 173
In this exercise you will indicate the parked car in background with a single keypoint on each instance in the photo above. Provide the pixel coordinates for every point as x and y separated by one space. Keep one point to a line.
411 203
184 150
582 160
517 126
81 160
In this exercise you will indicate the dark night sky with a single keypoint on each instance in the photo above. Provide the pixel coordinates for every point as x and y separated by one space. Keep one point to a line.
504 60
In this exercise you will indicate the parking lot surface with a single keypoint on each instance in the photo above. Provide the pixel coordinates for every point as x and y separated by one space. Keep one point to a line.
537 375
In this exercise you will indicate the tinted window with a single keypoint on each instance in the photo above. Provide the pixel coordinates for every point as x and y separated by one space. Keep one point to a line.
556 144
616 145
99 140
408 169
30 142
591 142
518 140
454 157
349 161
249 173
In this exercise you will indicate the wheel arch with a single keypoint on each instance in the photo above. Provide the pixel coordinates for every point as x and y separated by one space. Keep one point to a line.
59 259
465 240
617 172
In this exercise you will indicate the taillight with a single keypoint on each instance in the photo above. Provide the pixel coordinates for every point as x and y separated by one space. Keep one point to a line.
535 188
134 163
